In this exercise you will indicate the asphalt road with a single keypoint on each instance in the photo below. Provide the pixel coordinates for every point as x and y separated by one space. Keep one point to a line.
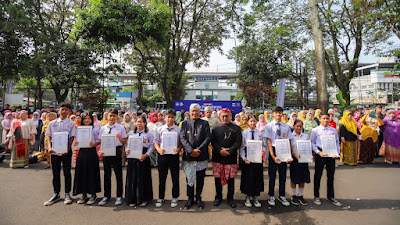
370 194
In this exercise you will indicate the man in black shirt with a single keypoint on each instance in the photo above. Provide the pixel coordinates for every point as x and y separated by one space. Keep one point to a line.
226 140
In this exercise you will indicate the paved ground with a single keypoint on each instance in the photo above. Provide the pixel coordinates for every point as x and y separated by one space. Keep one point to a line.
370 195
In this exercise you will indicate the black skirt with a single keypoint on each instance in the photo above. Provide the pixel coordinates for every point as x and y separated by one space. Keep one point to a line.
87 172
252 181
138 186
299 172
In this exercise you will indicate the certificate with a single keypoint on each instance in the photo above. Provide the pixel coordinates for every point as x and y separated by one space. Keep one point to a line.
109 144
135 145
60 142
304 150
329 145
84 136
169 142
254 148
282 149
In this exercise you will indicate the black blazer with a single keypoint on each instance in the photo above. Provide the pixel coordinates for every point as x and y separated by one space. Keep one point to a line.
200 141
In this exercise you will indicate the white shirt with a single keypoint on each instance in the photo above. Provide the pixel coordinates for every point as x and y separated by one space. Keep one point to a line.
165 128
60 125
293 142
272 127
114 129
246 135
316 140
147 140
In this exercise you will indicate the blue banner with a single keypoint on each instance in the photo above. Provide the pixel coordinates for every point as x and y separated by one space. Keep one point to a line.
236 106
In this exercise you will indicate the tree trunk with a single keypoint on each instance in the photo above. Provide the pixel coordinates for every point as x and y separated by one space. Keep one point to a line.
140 91
57 91
322 93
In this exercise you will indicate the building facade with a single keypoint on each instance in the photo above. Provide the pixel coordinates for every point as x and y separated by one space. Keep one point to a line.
214 86
373 84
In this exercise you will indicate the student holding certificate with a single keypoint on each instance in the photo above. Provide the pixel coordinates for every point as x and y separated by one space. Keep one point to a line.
274 130
139 188
61 126
321 158
112 160
87 170
252 182
299 173
168 159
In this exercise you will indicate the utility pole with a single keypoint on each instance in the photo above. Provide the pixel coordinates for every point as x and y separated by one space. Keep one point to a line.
322 93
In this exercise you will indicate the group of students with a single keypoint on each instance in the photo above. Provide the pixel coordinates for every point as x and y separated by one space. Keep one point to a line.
194 138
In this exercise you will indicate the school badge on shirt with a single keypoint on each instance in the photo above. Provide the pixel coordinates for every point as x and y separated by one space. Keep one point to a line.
145 141
284 135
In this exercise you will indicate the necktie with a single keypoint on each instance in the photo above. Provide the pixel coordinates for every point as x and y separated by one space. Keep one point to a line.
170 129
278 130
252 135
140 134
110 130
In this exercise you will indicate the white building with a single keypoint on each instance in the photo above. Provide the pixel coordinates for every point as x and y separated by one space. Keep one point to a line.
218 86
373 84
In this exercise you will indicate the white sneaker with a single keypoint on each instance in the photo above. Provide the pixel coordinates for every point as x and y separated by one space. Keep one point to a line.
103 201
271 200
159 203
247 202
174 202
143 204
257 203
119 201
283 200
132 205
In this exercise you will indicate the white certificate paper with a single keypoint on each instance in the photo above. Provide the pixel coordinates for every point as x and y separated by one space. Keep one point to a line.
329 145
60 142
109 144
169 142
304 150
84 136
282 149
135 145
254 148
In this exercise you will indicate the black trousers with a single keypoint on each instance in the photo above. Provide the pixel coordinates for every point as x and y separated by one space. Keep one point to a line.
116 163
56 168
320 163
379 143
166 162
272 168
231 188
199 185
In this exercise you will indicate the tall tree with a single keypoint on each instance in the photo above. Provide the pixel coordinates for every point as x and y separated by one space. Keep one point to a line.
322 93
195 27
348 29
121 24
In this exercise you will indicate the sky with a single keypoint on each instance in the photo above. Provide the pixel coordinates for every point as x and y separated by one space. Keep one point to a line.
221 63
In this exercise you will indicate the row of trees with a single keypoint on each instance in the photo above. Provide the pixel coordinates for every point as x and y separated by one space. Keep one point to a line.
60 43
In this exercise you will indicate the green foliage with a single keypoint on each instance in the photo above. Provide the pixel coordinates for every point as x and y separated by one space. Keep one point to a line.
119 22
343 103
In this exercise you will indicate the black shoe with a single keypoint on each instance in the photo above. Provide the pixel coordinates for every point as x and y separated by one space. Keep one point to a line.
200 203
217 201
52 200
2 158
295 200
189 203
232 203
302 200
